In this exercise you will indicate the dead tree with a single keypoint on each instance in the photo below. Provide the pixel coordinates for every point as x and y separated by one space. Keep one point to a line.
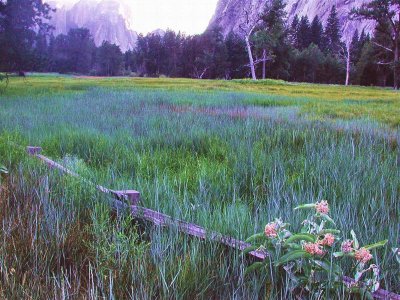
346 55
250 22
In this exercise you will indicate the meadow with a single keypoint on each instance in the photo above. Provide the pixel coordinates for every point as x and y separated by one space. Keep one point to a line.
227 155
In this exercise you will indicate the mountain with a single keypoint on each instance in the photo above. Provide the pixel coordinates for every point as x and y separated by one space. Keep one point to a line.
107 20
229 13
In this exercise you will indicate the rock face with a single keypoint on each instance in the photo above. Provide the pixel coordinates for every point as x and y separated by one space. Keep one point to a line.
107 20
229 13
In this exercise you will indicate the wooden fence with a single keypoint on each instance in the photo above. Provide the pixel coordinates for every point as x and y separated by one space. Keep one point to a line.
129 199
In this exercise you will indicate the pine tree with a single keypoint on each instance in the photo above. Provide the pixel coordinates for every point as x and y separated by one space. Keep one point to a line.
213 59
383 59
237 56
355 47
364 38
81 48
386 15
21 21
303 37
366 68
272 33
308 63
293 29
109 59
332 33
316 32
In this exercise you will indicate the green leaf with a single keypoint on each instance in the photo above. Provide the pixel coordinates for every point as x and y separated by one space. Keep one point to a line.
293 246
328 219
3 169
376 245
338 254
328 267
305 206
255 237
355 240
301 237
332 231
250 249
254 267
292 255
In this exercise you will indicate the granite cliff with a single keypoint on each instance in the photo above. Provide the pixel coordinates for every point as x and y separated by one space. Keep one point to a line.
229 13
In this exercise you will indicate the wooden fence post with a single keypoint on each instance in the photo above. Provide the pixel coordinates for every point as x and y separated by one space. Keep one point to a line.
33 150
131 195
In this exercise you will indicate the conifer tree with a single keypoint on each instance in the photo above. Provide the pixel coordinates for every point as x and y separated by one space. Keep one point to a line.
386 13
303 37
293 29
332 33
316 32
21 21
272 32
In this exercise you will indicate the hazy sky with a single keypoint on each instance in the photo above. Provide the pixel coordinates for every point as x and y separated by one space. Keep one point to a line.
190 16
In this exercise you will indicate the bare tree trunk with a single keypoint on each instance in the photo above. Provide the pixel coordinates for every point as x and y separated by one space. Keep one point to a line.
396 57
203 73
348 65
264 63
396 65
251 60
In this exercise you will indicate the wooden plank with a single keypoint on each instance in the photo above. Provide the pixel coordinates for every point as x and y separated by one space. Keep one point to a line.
130 195
160 219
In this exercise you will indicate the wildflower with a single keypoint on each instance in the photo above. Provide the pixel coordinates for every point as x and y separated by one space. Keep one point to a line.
322 207
347 246
328 240
313 249
363 255
271 230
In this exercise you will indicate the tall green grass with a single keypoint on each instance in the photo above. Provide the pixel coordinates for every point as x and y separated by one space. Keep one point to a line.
219 159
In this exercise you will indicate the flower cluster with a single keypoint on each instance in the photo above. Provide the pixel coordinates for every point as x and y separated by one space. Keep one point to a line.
328 240
363 255
347 246
271 230
314 249
311 250
322 207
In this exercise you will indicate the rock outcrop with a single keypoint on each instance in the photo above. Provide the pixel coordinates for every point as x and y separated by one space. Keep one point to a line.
229 13
107 20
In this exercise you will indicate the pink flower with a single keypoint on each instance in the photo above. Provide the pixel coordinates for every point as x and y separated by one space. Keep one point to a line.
322 207
328 240
314 249
347 246
271 230
363 255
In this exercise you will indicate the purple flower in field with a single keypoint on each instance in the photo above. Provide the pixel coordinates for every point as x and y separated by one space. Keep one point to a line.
347 246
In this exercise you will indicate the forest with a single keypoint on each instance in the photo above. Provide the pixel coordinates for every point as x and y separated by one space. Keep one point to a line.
302 51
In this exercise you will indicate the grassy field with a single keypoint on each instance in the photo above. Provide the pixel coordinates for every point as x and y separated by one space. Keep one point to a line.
227 155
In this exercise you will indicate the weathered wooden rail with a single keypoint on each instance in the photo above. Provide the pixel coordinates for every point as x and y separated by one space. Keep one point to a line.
129 199
152 216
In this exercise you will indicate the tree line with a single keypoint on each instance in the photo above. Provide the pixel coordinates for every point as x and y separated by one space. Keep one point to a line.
266 46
